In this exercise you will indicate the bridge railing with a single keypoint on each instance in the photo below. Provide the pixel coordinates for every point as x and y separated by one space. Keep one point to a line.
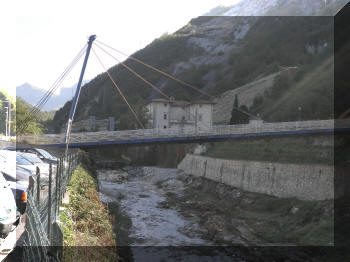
188 131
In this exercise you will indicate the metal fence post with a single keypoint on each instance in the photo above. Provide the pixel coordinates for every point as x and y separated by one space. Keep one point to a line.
49 205
31 185
38 184
61 164
57 188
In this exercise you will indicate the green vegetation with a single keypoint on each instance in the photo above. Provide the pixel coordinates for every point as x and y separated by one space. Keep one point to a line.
289 150
86 222
32 126
306 94
238 117
38 124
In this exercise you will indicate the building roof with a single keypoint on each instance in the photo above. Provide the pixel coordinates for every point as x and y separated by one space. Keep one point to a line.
162 100
203 102
179 102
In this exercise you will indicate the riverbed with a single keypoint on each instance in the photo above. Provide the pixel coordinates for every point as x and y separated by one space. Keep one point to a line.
139 197
166 215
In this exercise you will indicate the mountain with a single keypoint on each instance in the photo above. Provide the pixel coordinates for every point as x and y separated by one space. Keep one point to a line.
32 95
222 54
285 7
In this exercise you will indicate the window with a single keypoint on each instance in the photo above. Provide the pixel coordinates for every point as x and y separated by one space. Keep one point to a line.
165 104
165 116
164 127
200 117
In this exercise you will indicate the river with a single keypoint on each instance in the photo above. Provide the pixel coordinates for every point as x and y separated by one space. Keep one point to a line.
165 215
145 219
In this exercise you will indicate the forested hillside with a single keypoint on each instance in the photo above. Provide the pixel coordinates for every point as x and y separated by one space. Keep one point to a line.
217 54
37 124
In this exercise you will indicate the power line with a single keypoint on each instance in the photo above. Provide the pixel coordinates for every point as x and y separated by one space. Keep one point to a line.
132 71
159 71
170 76
136 74
119 91
33 113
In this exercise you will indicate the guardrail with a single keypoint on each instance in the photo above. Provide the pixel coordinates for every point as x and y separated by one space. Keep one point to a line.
180 132
42 236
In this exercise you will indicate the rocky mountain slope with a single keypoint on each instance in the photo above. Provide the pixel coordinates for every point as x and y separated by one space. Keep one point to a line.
285 7
221 54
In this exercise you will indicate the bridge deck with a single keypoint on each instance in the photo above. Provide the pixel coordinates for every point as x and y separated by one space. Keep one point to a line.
146 136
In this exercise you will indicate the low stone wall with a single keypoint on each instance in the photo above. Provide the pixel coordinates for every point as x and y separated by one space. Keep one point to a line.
302 181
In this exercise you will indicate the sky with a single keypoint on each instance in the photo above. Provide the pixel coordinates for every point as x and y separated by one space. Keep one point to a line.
41 37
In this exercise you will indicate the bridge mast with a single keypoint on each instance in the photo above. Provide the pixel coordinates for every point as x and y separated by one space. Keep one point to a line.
77 92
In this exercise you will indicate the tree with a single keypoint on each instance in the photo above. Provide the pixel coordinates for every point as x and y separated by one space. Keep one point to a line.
24 127
237 114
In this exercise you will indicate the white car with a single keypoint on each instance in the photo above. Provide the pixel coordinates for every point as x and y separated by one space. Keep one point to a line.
7 207
31 161
9 218
8 161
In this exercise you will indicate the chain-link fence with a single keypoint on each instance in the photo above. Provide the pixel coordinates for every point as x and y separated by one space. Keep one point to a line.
43 237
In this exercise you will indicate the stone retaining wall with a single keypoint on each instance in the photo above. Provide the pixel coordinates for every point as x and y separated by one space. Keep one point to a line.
302 181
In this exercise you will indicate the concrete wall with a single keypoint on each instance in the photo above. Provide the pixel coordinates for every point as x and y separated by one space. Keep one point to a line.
157 111
302 181
204 114
178 113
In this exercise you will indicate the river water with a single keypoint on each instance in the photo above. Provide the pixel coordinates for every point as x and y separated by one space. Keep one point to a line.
145 219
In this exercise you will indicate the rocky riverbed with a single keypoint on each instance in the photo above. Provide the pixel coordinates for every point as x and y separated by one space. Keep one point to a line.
168 211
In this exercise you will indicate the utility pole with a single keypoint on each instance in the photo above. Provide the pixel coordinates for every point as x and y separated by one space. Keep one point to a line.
7 115
9 130
77 92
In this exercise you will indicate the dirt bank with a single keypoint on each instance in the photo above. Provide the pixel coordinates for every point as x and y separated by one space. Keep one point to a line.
232 216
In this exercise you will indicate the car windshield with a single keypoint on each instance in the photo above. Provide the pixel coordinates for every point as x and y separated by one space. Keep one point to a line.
45 153
22 161
32 158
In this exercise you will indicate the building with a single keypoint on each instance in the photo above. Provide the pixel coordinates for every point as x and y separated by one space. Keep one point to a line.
92 125
175 114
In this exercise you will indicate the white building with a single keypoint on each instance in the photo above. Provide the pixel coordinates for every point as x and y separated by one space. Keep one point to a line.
165 114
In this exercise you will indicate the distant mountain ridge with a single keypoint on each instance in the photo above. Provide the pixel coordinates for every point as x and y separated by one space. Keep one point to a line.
32 95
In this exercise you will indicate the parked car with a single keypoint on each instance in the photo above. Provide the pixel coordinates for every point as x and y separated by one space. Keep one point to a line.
34 161
9 217
41 153
17 177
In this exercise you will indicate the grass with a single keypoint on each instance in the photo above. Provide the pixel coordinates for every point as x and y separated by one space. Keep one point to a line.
86 222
